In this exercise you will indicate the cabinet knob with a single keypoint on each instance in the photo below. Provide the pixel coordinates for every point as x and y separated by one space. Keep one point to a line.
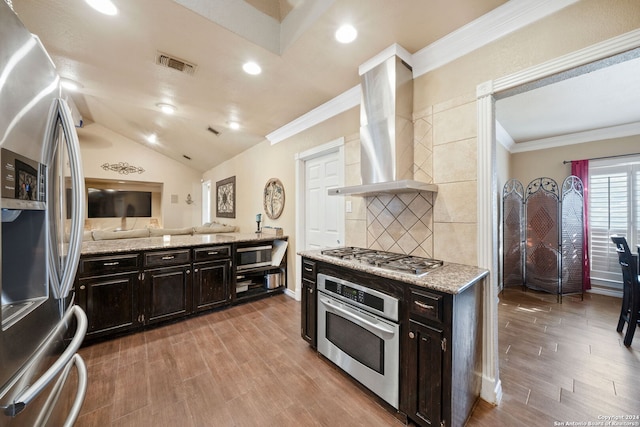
82 287
195 270
310 290
412 335
188 271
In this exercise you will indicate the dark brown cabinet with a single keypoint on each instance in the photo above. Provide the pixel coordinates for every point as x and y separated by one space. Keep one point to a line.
122 292
167 293
441 379
167 290
309 302
425 353
107 290
211 277
111 302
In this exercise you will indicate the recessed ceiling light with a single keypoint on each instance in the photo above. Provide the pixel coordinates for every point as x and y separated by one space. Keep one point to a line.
234 125
346 34
103 6
166 108
152 138
252 68
70 84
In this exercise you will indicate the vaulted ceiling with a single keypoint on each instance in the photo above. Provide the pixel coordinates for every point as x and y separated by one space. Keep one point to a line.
114 58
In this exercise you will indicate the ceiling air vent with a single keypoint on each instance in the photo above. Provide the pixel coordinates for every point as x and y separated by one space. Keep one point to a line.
175 63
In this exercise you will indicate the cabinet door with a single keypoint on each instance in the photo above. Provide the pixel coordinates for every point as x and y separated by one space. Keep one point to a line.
167 293
111 302
309 312
425 383
211 284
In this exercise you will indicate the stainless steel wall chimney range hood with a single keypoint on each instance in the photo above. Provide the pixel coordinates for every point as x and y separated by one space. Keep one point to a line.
386 129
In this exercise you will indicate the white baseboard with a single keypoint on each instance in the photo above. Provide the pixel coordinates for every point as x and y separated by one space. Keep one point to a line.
291 294
491 391
605 291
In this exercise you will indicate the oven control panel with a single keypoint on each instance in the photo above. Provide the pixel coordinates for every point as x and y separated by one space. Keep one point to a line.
356 295
364 297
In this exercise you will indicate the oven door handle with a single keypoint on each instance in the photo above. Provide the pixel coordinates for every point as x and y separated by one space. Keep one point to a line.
382 331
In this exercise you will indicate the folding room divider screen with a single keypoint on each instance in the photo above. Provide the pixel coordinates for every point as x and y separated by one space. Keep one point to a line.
543 235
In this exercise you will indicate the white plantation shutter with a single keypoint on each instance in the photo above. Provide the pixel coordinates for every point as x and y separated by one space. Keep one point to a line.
614 209
636 197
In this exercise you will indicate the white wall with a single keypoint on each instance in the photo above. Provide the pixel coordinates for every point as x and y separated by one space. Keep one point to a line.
99 145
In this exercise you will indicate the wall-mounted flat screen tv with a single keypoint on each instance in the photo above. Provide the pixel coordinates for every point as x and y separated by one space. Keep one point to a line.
103 203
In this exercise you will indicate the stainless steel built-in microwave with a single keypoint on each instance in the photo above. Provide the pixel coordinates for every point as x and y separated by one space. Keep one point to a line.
253 257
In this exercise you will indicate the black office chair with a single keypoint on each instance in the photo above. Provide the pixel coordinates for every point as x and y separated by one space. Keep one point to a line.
630 312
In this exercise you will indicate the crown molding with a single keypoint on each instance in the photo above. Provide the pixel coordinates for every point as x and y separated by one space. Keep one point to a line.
509 17
503 20
503 137
341 103
601 134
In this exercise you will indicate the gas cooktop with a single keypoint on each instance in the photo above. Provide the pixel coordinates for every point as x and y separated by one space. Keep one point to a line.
386 260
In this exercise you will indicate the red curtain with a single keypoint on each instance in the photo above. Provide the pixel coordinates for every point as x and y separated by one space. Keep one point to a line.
580 168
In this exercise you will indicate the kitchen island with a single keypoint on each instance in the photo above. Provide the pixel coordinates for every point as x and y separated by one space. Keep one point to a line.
125 285
429 351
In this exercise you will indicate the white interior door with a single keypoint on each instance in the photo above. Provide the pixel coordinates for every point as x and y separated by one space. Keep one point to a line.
324 215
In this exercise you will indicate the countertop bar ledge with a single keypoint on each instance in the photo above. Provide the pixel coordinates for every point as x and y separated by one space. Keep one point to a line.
169 242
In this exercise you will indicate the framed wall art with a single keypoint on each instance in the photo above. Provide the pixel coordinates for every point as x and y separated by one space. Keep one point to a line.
226 198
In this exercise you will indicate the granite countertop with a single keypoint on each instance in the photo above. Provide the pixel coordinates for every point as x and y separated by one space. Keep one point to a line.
451 278
171 242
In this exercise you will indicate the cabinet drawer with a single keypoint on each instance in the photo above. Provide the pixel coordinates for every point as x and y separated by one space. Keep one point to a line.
97 266
308 270
165 258
212 253
426 305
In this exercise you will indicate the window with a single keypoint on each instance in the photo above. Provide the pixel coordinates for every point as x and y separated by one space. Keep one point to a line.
206 201
614 208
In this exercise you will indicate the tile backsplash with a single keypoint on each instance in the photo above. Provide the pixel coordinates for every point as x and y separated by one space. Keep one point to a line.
401 223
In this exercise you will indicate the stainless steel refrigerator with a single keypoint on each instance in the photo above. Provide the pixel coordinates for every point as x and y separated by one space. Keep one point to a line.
42 378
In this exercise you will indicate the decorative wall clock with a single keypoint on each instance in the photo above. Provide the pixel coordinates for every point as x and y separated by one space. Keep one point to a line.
273 198
226 198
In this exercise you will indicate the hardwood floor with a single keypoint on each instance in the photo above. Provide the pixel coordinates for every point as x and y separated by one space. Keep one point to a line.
248 366
243 366
562 363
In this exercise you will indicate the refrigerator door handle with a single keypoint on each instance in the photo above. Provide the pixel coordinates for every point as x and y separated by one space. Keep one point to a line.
27 396
78 362
63 287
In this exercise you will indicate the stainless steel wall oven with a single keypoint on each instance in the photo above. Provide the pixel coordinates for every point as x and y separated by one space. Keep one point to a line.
358 330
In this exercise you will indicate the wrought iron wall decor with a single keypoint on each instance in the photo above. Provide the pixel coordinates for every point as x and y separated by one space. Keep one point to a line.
122 168
543 235
226 198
